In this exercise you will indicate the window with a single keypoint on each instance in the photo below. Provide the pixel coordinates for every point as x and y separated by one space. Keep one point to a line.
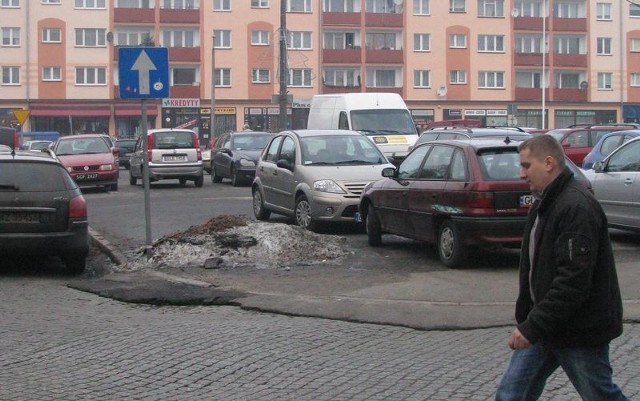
437 163
339 40
422 78
491 79
603 11
222 77
134 4
50 1
221 5
421 42
567 45
604 46
381 7
529 8
9 3
89 37
457 6
634 10
51 74
342 77
605 81
626 159
90 4
91 76
184 76
381 40
299 40
341 6
458 77
528 44
569 10
300 77
528 79
567 80
457 41
421 7
179 38
259 3
490 43
410 167
180 4
381 78
635 45
10 76
260 76
635 79
10 36
490 8
299 6
131 37
259 37
222 38
51 35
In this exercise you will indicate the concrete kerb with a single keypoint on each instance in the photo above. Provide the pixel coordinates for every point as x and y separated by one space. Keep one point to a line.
101 243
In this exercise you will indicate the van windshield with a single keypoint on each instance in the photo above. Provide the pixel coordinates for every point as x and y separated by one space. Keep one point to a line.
385 122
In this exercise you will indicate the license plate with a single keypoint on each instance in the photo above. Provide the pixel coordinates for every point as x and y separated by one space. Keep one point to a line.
526 200
19 218
174 158
357 217
81 177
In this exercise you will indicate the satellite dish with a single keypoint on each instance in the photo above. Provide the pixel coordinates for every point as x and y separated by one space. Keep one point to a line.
584 85
442 91
515 13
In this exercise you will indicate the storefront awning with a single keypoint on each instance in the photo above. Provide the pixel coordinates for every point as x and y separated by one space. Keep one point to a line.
134 109
63 109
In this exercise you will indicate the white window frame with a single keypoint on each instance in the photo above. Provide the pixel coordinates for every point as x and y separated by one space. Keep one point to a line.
50 74
529 8
347 6
565 44
222 77
47 33
634 79
421 7
491 79
299 40
561 76
421 42
51 1
340 40
457 41
567 9
393 75
174 69
490 8
491 43
85 33
10 36
221 5
604 46
457 77
528 44
10 3
605 81
135 4
259 3
98 75
131 36
260 38
179 4
179 37
300 77
298 6
634 10
457 6
603 11
13 75
222 38
342 77
91 4
260 76
529 79
422 78
634 45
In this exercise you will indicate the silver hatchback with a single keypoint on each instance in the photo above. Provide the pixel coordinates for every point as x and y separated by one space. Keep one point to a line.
315 176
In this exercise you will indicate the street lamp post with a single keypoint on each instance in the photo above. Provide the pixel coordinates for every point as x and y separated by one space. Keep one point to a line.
213 88
544 60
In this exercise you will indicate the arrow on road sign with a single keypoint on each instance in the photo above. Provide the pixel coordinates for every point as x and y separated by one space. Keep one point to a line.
143 65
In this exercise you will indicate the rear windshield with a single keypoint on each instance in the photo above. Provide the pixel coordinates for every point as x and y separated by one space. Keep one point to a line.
500 165
250 142
173 140
33 177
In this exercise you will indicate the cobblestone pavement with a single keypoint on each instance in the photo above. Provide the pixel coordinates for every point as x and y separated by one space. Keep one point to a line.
61 344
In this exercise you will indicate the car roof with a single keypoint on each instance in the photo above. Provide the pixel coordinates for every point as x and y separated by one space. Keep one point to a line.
27 155
322 132
81 136
476 143
153 131
477 132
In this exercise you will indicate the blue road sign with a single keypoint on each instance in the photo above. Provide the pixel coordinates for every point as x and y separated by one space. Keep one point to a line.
143 72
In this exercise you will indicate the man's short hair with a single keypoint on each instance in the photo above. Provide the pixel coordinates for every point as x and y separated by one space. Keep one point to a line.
541 146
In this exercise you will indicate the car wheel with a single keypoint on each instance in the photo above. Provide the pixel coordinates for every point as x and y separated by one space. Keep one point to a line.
199 181
450 248
374 231
303 214
75 265
235 180
132 179
258 206
215 177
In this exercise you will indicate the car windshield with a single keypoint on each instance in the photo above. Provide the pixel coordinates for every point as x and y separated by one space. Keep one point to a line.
500 165
395 122
334 150
173 140
249 142
77 146
127 144
33 177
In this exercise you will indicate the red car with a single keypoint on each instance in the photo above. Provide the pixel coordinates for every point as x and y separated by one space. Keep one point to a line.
89 159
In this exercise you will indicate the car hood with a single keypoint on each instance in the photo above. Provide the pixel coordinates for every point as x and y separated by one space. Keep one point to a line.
342 173
87 159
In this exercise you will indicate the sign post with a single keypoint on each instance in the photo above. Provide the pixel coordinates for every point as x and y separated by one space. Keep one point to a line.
144 74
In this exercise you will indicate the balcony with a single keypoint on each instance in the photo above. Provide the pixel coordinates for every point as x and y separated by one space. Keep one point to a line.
329 89
383 20
530 94
342 56
333 18
384 90
184 54
528 24
570 60
570 24
529 60
384 56
185 91
134 15
570 95
179 16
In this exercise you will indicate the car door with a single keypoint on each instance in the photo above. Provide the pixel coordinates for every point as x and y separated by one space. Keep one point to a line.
617 187
136 159
266 170
283 180
222 156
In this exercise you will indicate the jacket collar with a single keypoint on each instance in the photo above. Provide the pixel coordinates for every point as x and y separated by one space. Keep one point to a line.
554 188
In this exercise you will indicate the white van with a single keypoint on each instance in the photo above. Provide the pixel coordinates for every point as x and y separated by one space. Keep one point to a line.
384 117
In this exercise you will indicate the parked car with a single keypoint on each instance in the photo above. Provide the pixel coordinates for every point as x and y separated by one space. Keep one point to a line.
607 144
438 134
125 148
457 194
616 185
9 137
46 216
236 154
315 176
89 160
173 154
577 141
36 145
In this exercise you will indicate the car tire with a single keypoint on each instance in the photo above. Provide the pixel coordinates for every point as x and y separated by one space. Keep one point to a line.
259 210
235 180
75 265
199 181
132 178
303 214
214 177
374 231
450 248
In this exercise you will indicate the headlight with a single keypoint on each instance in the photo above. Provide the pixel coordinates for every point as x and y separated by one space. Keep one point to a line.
328 186
106 167
247 163
70 169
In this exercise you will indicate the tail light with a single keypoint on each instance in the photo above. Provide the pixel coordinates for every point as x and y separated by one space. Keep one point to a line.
149 147
481 200
78 208
196 143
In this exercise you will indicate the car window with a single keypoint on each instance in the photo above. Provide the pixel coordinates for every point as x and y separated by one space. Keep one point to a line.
410 167
343 123
288 150
610 144
627 159
458 167
500 165
33 177
173 140
596 135
577 139
428 136
437 164
249 142
272 152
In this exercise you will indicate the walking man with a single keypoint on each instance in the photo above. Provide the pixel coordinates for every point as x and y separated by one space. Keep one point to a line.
569 306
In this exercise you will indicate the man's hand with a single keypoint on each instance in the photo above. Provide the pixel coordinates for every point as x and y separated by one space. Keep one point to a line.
518 341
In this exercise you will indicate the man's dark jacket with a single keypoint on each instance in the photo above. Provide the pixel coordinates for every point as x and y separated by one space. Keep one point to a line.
575 285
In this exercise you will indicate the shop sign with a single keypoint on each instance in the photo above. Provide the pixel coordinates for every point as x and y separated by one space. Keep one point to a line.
178 102
475 112
496 112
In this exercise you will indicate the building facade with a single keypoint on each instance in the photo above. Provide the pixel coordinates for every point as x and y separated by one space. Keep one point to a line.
534 63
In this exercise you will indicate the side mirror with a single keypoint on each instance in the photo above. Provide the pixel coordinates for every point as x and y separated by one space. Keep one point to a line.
388 172
598 166
115 151
283 163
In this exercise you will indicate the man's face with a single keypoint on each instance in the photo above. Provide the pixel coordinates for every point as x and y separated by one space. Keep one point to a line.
536 172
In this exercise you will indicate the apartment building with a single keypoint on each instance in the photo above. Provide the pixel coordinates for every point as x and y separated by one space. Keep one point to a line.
532 63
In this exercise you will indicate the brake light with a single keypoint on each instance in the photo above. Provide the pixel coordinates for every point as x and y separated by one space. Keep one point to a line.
78 208
481 200
196 143
149 146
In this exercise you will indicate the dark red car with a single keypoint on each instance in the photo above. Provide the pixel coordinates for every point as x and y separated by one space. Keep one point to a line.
578 141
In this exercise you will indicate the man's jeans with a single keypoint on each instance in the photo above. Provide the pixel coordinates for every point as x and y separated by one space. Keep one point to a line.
587 368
